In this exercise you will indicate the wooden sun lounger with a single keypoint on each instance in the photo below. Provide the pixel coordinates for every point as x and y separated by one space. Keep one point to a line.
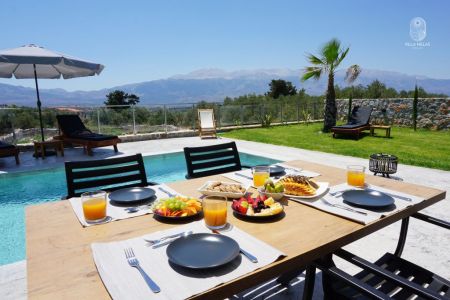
84 137
9 150
357 123
206 123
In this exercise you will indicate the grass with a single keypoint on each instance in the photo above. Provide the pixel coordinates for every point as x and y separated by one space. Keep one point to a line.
423 148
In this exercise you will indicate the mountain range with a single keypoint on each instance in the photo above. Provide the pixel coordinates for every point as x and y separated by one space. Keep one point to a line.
213 85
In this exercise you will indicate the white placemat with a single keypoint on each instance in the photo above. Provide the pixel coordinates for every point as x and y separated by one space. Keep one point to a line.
363 216
115 213
125 282
245 176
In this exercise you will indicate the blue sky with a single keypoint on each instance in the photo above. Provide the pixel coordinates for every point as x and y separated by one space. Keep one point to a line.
145 40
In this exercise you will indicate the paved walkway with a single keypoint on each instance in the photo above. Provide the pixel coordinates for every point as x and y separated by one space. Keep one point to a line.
426 244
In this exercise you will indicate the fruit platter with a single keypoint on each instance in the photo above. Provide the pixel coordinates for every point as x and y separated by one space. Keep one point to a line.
270 189
259 207
177 207
223 189
302 187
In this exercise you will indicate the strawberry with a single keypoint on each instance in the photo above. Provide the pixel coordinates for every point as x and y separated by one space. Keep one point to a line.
243 207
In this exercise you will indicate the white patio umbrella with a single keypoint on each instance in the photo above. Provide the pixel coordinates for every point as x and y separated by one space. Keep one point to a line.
32 61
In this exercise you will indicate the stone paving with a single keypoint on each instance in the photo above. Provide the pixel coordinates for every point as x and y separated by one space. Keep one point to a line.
425 244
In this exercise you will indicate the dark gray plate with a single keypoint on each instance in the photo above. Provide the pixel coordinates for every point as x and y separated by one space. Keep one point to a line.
367 198
276 170
130 195
202 251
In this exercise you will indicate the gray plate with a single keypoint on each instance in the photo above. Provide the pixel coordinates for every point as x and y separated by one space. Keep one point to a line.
275 170
202 251
130 195
367 198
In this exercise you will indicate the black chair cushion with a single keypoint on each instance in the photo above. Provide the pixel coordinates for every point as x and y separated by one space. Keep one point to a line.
350 126
71 124
90 136
4 145
360 115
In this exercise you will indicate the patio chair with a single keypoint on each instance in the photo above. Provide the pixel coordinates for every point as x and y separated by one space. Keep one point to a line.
389 277
107 174
358 122
9 150
212 160
206 123
73 131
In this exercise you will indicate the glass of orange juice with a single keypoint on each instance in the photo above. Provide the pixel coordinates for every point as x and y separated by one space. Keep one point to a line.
94 206
260 175
215 211
355 175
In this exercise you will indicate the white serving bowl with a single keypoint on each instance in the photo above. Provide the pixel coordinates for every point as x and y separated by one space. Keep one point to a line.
275 196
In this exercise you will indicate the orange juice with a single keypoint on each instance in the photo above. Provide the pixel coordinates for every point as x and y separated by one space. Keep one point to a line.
355 175
215 212
94 209
259 178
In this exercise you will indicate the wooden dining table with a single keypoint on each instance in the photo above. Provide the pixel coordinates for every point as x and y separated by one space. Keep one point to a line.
59 257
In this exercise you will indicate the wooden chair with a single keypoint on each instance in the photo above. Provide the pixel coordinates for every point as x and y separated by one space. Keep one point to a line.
212 160
107 174
389 277
206 123
358 122
74 132
9 150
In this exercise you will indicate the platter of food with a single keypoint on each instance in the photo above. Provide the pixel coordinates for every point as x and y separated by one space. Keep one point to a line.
257 208
224 189
270 189
302 187
177 207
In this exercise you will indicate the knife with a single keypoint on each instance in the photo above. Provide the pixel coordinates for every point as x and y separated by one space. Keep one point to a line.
242 175
251 257
185 234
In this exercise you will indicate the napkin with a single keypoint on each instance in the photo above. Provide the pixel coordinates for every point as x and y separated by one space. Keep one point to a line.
245 176
115 213
334 196
125 282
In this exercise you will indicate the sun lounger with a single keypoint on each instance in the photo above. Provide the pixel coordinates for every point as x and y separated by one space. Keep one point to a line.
206 123
9 150
358 122
73 131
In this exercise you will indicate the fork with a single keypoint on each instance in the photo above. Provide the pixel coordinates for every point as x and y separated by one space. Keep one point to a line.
166 192
157 241
343 207
134 262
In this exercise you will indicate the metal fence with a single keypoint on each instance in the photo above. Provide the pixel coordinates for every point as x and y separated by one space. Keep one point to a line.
21 125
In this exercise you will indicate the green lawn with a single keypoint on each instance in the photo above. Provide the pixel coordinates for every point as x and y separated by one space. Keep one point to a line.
421 148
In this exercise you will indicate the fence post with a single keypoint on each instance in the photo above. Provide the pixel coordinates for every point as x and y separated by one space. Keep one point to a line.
193 117
281 112
218 116
165 118
98 119
298 111
134 120
242 115
315 110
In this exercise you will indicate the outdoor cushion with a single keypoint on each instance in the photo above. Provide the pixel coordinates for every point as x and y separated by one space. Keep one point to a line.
360 115
350 126
90 136
71 124
4 145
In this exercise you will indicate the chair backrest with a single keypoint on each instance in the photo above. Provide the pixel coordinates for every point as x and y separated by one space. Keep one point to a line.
71 124
361 115
212 160
206 118
107 174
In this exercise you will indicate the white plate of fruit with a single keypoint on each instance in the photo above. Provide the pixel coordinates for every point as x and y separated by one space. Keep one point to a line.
271 189
259 207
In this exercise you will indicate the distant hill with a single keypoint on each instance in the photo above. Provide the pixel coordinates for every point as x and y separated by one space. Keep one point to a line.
213 85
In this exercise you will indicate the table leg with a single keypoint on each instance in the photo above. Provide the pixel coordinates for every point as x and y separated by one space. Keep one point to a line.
61 147
310 279
35 151
42 151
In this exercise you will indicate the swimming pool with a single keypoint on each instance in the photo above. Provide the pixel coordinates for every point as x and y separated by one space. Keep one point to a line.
22 189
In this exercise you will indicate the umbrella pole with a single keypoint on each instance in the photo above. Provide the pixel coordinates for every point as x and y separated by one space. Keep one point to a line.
38 102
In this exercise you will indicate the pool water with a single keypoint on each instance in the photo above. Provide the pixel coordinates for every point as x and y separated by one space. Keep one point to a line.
22 189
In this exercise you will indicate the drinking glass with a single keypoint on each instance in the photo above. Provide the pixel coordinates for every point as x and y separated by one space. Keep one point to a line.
260 175
215 211
355 175
94 206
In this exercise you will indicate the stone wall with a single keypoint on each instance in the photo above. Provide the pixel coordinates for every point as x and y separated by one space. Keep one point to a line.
432 113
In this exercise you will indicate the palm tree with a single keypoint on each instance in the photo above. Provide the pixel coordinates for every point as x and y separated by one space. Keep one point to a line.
331 56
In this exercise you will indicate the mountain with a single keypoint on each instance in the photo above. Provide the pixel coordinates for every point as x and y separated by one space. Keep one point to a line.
213 85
